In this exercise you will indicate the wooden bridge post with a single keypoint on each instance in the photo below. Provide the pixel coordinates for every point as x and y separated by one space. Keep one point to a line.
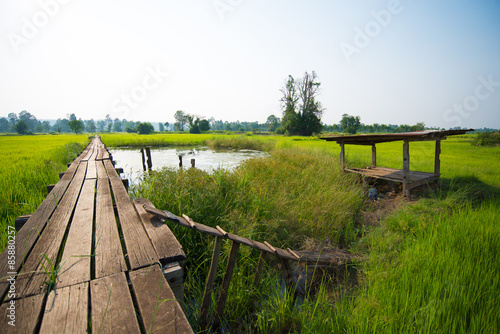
180 161
192 163
210 281
406 168
143 160
150 161
221 303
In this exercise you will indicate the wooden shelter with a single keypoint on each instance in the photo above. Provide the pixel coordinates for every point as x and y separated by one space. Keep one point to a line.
409 179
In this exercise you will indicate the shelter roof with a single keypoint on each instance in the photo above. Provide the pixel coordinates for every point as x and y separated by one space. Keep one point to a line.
388 137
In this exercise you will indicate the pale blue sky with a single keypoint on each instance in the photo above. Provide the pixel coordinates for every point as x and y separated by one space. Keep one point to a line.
397 62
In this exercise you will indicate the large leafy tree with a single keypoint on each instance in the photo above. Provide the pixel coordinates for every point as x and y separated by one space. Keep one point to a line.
75 125
145 128
350 124
181 120
21 127
301 110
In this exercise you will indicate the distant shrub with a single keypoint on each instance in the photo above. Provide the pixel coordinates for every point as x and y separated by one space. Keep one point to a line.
487 139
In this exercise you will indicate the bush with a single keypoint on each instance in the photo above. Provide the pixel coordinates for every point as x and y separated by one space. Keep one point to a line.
145 128
487 139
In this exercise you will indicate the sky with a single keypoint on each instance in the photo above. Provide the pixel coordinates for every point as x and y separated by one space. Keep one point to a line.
389 62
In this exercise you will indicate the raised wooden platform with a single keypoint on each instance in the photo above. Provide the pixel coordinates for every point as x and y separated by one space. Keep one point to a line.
89 260
409 179
416 179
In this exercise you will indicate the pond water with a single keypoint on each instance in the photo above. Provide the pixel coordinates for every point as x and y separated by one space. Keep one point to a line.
130 159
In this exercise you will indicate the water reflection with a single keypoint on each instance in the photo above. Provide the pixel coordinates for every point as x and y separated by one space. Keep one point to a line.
207 159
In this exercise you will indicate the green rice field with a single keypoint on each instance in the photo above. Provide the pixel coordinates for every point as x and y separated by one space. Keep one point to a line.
428 264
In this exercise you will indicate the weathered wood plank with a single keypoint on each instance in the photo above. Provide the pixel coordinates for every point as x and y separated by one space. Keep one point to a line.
31 279
28 235
167 246
112 307
27 314
140 250
159 310
66 310
91 170
76 256
101 171
108 255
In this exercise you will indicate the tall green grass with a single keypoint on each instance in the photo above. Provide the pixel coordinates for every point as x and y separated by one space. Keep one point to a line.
287 198
441 275
29 164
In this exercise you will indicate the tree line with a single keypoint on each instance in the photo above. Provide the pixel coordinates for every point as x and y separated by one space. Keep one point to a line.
301 115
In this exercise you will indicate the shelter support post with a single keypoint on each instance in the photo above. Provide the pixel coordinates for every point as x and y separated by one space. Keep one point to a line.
406 168
374 155
437 161
342 155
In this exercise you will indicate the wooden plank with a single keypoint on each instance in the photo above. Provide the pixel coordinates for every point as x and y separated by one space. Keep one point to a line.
66 310
29 234
112 306
31 279
221 303
166 244
205 303
101 171
159 310
139 248
77 253
108 255
25 314
91 170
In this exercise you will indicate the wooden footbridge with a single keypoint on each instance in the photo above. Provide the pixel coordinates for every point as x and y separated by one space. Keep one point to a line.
89 260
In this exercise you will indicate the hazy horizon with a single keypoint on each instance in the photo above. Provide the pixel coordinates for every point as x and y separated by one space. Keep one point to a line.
389 62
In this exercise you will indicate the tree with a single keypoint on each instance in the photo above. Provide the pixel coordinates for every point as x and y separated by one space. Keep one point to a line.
301 111
181 118
117 125
75 125
289 123
161 127
145 128
204 125
4 124
167 125
350 124
21 127
272 123
310 110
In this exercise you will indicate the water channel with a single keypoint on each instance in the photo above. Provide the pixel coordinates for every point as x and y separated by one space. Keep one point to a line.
207 159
